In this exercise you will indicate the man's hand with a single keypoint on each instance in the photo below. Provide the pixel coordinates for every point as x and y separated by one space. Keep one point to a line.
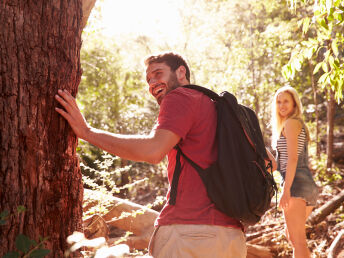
72 113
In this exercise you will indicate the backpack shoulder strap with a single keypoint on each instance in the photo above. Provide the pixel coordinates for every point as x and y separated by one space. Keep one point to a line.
177 172
211 94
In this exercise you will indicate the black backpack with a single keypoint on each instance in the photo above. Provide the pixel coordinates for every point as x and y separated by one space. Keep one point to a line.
238 182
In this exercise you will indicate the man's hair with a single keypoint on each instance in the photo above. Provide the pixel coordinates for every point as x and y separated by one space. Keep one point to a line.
173 60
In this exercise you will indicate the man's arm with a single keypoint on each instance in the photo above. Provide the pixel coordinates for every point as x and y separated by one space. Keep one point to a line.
149 148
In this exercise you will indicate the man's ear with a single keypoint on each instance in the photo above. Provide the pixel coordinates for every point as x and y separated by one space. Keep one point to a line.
181 73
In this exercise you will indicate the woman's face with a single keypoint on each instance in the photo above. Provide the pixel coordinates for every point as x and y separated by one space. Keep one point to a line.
285 104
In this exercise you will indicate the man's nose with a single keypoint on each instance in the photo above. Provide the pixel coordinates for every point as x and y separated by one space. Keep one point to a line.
151 81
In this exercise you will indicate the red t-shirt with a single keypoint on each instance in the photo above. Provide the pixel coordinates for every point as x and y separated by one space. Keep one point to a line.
191 115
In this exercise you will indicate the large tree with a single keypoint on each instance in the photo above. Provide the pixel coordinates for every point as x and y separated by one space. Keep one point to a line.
40 43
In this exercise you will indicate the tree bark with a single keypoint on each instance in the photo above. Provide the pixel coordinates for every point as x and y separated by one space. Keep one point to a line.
87 6
40 43
330 127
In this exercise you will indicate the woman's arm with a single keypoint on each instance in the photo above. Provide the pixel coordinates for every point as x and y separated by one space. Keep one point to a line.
292 129
272 158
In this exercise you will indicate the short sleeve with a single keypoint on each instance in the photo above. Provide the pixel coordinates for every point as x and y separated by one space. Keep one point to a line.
176 112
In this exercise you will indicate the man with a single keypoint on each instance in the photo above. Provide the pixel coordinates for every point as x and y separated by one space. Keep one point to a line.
193 227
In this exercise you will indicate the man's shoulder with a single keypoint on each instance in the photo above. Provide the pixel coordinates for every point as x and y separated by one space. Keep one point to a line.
191 94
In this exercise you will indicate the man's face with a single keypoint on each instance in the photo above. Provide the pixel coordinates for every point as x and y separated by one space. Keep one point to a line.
161 80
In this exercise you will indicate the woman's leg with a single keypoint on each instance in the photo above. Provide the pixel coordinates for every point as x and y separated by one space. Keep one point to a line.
295 218
308 211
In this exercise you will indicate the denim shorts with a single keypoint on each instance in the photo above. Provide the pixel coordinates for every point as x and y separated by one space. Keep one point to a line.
304 187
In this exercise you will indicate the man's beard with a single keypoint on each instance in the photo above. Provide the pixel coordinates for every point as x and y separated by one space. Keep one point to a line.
172 82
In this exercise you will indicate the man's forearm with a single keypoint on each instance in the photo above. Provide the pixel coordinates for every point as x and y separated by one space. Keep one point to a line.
131 147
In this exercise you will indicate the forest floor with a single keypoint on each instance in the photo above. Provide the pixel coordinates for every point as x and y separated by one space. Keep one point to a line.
270 231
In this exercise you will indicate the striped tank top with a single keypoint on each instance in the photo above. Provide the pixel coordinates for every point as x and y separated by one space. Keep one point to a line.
282 148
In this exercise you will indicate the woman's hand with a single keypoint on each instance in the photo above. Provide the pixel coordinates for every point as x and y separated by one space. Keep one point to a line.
72 113
284 201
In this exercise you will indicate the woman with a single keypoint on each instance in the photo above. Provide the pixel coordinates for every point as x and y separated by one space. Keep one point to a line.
290 137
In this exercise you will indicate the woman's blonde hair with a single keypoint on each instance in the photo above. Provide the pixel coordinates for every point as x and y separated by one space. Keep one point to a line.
277 121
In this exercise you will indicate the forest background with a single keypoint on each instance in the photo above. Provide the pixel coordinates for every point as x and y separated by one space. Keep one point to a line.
249 48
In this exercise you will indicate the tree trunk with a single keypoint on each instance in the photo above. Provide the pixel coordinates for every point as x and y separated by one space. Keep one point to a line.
40 44
315 93
330 127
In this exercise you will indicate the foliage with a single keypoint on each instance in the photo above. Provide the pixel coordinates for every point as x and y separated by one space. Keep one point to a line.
325 175
115 99
104 189
106 180
324 31
25 246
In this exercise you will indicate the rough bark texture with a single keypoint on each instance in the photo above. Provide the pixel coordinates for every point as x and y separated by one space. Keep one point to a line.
87 6
40 44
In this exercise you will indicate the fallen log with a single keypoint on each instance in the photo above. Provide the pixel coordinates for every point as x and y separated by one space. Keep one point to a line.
137 219
257 251
124 215
96 227
335 245
264 238
321 213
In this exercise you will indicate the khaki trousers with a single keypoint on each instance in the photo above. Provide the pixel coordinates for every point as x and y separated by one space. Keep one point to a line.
198 241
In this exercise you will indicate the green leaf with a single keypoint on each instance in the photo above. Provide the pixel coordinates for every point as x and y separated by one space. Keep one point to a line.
317 67
39 253
4 214
337 2
11 255
334 46
309 52
330 18
324 67
323 78
43 239
21 209
305 26
327 55
323 23
332 63
286 72
23 243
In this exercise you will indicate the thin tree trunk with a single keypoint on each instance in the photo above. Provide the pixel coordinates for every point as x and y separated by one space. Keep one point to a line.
315 93
40 44
330 127
253 72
